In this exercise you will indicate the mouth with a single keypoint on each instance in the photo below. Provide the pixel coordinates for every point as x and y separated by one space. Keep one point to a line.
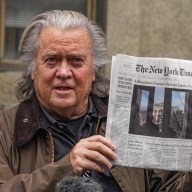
63 88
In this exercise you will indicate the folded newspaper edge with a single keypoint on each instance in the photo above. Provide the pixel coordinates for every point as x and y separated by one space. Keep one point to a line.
150 112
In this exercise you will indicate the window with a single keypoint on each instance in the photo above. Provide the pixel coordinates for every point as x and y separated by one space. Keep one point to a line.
16 14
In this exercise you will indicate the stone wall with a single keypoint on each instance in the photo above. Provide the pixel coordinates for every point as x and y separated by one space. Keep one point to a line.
153 28
7 88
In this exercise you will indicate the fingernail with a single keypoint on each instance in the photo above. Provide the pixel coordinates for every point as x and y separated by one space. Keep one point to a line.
114 156
114 147
102 169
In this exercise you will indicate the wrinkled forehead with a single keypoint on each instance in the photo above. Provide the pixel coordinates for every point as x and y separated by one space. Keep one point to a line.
53 32
55 40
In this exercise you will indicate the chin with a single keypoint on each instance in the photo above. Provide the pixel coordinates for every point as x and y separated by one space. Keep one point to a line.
63 104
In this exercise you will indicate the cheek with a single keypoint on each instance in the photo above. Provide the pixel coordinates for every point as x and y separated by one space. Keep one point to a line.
84 83
42 82
84 77
43 76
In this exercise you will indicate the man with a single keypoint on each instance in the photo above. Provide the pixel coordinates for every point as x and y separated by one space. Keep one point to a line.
58 128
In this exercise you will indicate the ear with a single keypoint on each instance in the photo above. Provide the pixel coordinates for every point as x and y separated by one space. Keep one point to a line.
93 77
32 75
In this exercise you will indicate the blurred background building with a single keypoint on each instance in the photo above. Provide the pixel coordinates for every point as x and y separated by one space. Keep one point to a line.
151 28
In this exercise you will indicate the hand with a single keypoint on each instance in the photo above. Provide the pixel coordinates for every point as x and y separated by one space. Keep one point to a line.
92 152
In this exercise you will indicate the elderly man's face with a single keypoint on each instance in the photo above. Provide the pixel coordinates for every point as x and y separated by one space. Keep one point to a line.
64 71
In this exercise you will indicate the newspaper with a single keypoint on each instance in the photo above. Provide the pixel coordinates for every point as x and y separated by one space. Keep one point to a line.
150 112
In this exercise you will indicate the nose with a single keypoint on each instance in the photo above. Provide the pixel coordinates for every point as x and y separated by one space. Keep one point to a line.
64 70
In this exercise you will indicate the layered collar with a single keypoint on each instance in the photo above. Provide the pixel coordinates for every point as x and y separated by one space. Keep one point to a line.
29 119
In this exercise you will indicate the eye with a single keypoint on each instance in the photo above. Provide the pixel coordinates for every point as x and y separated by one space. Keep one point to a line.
76 61
52 61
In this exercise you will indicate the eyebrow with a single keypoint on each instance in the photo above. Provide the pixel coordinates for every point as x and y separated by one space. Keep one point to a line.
76 55
59 52
44 56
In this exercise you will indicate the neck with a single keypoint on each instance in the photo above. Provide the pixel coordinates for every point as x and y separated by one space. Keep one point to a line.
68 114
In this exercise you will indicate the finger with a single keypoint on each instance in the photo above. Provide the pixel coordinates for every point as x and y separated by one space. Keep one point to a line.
104 140
93 151
98 158
95 144
101 149
87 165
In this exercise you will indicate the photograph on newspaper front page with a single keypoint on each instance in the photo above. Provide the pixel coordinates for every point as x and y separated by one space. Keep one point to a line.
150 112
161 112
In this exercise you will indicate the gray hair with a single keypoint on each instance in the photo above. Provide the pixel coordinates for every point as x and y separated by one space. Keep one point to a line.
62 20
